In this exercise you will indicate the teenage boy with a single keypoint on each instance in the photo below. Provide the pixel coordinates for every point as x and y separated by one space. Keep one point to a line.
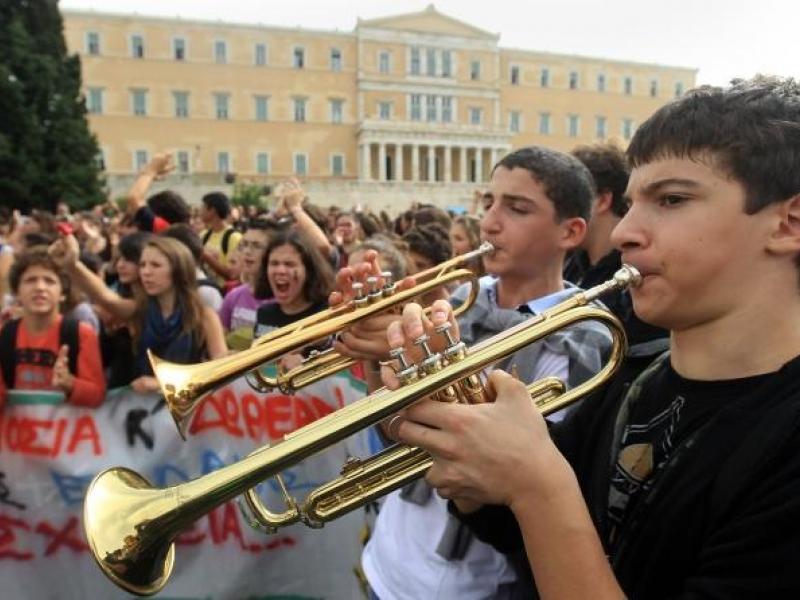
155 213
687 482
36 348
535 211
220 240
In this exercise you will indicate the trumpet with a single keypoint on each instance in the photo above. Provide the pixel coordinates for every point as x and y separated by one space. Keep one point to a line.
184 386
131 526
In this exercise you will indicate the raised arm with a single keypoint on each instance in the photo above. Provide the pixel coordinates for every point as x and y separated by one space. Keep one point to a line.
291 201
159 166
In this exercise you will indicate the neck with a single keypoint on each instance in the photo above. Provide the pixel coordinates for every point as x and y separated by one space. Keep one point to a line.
166 302
754 340
297 305
217 225
598 244
39 323
513 290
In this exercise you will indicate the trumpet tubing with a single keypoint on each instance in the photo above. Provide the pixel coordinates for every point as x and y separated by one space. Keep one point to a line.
131 527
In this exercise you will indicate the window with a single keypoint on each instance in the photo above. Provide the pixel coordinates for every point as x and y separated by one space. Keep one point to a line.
299 58
221 101
137 46
140 159
573 80
601 83
223 162
300 164
430 108
336 60
94 101
447 109
447 63
515 75
179 49
653 88
544 123
383 63
262 108
627 86
600 127
337 165
475 70
181 104
415 61
627 128
513 121
678 89
100 160
93 43
544 78
336 110
430 62
260 55
262 163
573 125
220 52
416 107
183 162
384 111
475 115
139 102
299 110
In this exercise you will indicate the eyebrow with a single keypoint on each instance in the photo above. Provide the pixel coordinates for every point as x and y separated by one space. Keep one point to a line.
511 197
653 187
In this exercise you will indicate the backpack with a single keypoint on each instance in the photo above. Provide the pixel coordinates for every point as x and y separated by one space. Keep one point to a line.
68 334
226 238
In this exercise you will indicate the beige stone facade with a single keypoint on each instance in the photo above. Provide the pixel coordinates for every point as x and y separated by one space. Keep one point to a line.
412 106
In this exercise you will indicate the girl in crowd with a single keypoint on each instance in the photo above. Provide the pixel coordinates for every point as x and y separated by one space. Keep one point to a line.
165 314
465 236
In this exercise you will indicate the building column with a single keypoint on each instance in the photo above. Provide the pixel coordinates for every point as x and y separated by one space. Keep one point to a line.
381 162
366 167
415 162
495 156
398 162
463 164
431 163
448 164
478 165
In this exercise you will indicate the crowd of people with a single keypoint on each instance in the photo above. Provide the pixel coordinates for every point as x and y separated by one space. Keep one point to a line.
678 479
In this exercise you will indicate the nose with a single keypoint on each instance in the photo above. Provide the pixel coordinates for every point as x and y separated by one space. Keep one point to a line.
492 221
631 232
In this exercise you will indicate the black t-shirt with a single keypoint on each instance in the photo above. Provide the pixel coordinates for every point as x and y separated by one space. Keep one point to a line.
270 317
668 411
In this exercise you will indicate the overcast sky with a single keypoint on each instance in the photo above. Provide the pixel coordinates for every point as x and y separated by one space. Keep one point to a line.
721 38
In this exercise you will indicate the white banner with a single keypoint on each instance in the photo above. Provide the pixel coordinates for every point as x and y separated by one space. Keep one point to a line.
49 454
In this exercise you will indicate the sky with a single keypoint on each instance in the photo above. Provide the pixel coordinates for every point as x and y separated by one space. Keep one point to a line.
723 39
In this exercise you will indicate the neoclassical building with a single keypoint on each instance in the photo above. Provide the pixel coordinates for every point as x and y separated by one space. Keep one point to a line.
419 105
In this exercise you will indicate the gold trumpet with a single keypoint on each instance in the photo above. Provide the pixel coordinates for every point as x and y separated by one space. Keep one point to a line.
131 527
184 386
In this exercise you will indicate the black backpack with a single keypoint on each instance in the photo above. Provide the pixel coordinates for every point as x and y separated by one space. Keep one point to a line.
226 238
68 334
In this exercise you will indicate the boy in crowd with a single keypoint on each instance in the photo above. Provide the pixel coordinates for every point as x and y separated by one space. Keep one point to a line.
220 239
160 210
42 350
685 483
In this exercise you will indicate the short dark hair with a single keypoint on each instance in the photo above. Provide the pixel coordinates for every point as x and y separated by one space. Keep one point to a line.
428 214
751 130
319 273
131 246
188 237
431 241
170 206
609 168
35 257
219 203
567 182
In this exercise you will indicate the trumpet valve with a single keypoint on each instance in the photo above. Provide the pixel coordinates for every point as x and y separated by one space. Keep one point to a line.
407 373
455 350
360 300
389 285
375 293
433 360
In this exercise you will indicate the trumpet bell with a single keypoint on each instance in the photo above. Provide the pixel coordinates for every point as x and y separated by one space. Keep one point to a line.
117 504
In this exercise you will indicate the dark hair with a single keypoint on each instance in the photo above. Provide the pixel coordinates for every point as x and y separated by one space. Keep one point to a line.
609 168
188 237
170 206
319 274
567 182
751 130
431 214
219 203
370 224
35 257
130 246
38 238
431 241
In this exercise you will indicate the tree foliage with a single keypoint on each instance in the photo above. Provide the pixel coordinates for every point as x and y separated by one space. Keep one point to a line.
47 153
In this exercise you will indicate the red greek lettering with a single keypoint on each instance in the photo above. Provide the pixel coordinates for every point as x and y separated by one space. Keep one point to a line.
62 537
8 539
84 431
218 412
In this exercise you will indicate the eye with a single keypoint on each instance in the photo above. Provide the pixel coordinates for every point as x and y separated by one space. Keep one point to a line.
672 200
487 202
519 208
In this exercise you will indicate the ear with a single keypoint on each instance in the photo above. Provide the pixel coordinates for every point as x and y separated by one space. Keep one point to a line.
573 230
602 203
785 236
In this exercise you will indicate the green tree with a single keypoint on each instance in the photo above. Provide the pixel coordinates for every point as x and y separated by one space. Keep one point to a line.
47 152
